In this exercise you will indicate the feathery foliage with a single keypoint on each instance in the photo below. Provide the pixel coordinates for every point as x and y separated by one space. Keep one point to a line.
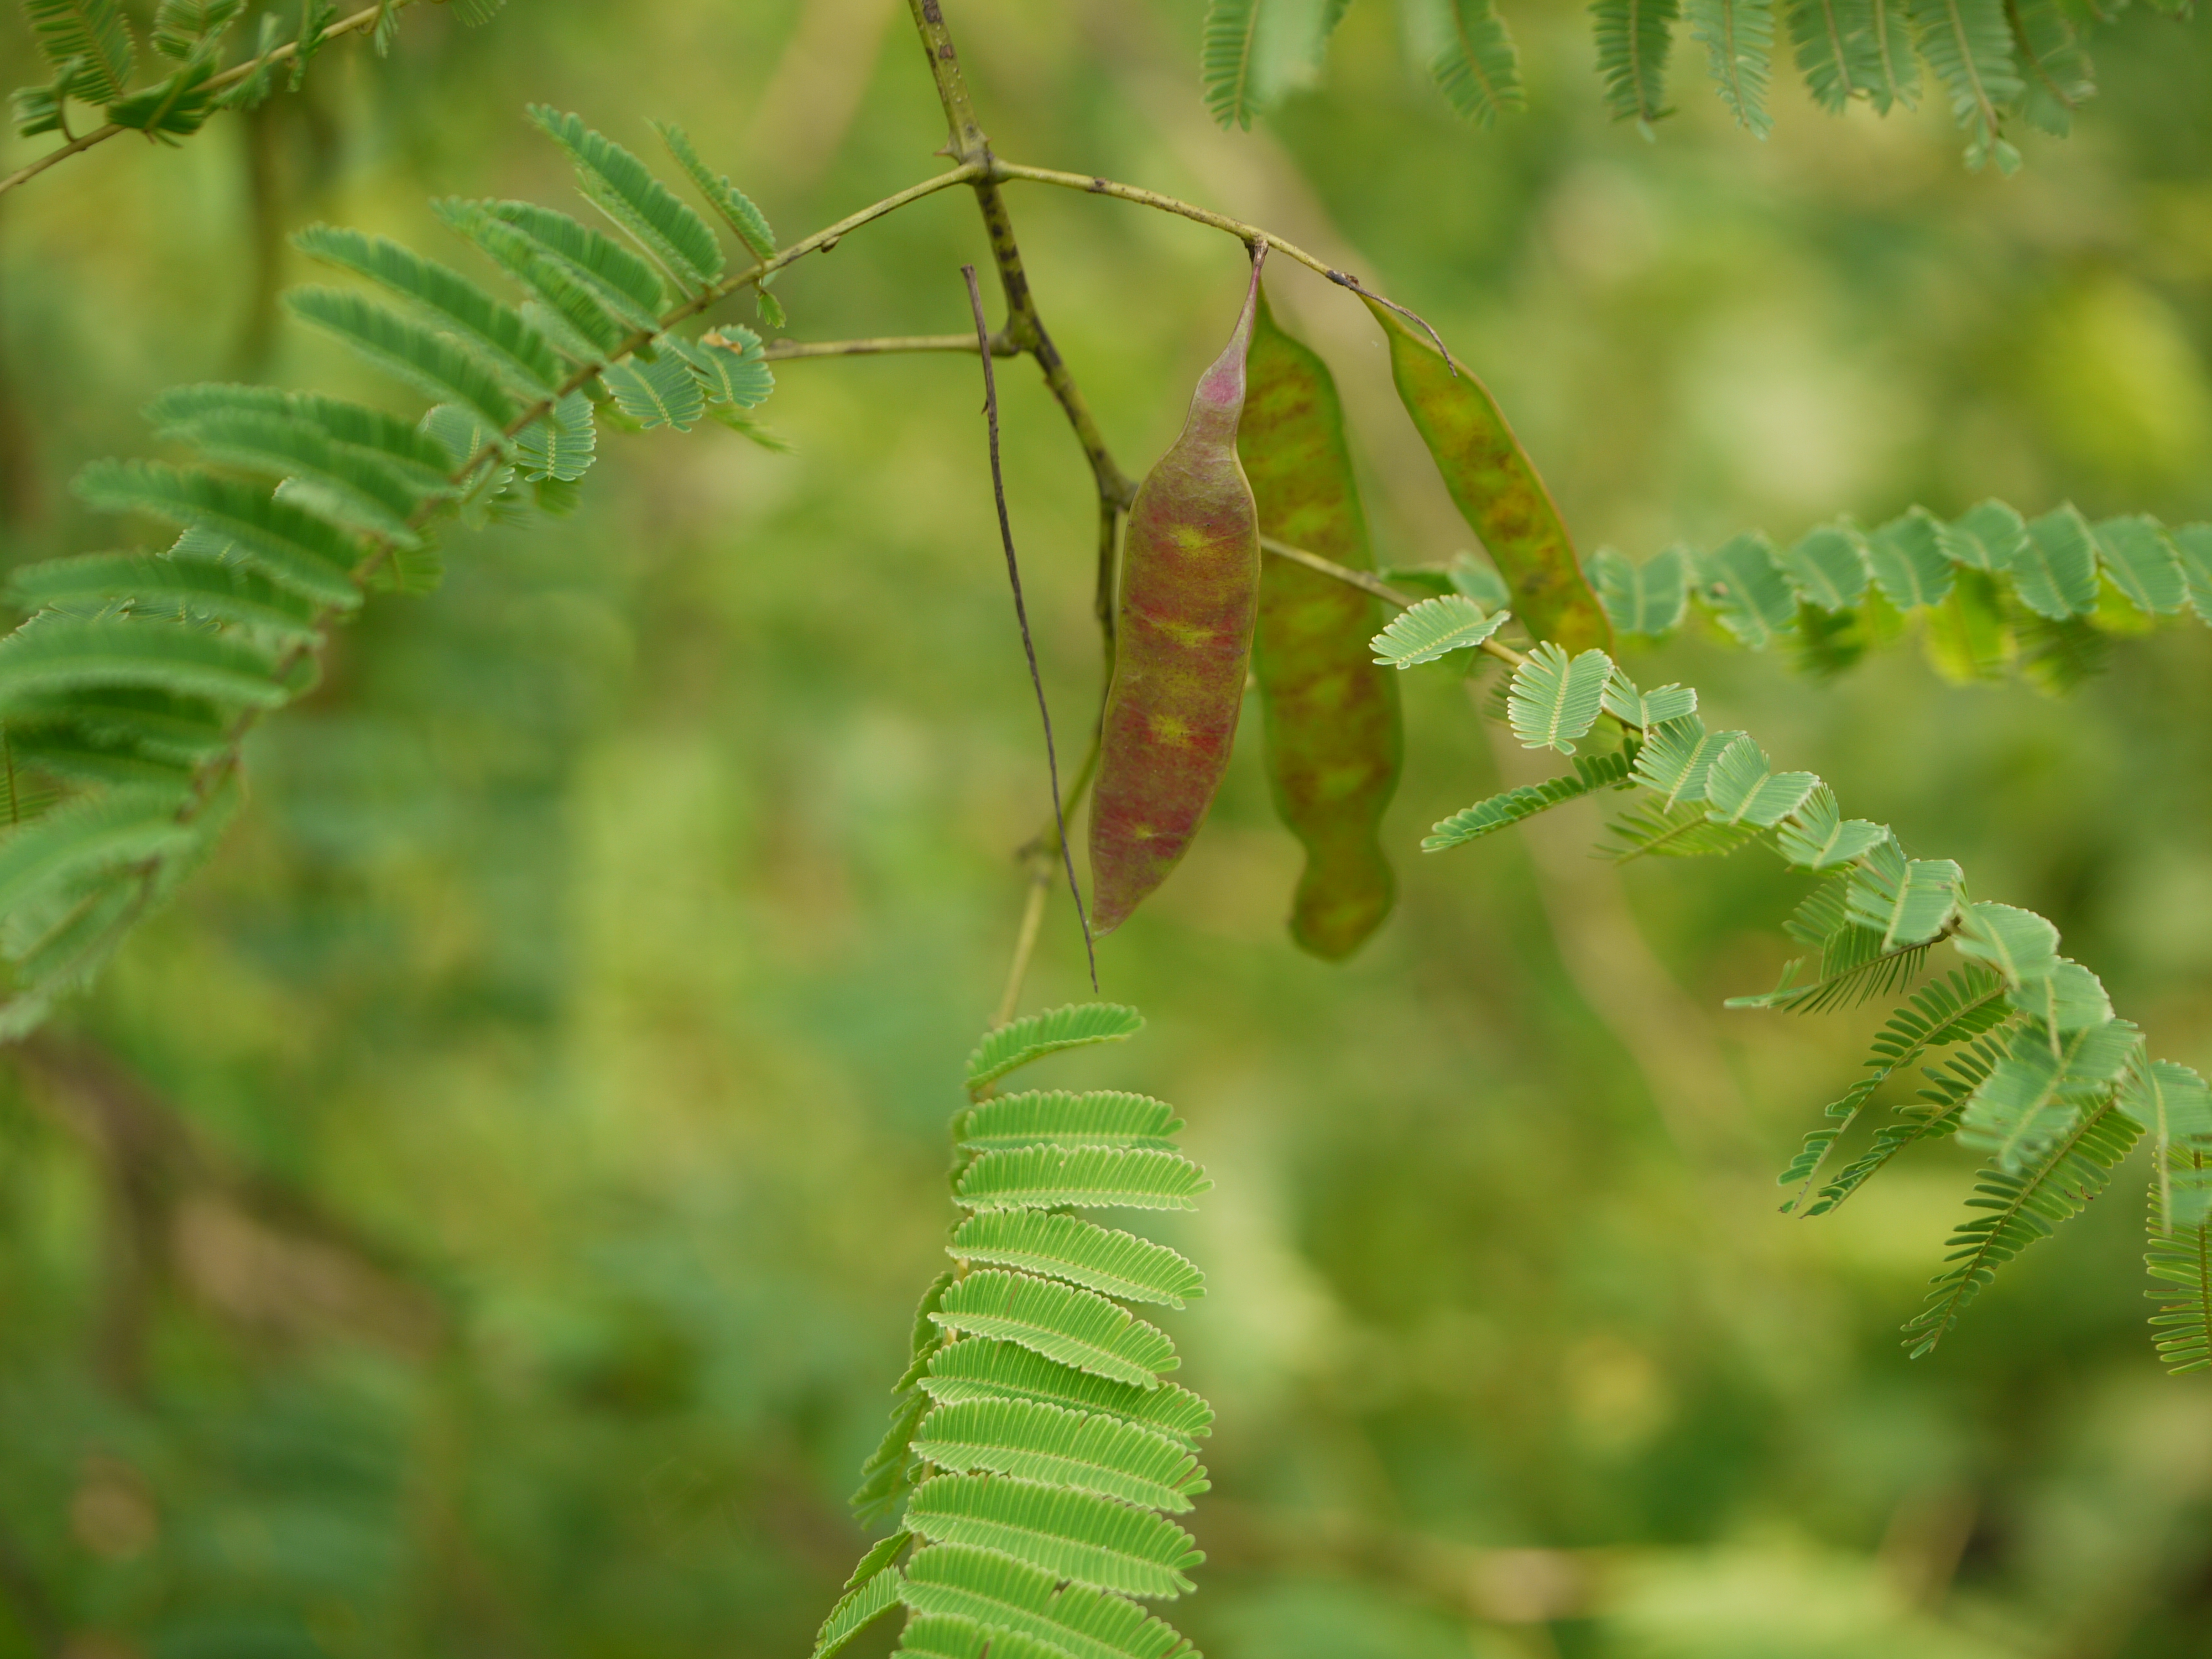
1555 700
128 693
1034 1446
1435 629
2041 1074
1988 591
1633 40
1738 36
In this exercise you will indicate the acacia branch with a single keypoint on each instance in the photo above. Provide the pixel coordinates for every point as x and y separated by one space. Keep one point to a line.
784 351
1250 236
361 22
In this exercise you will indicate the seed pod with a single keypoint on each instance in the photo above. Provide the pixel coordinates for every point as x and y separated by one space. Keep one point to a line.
1190 581
1333 736
1497 490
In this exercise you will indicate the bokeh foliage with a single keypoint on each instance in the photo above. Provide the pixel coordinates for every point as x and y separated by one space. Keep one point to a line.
483 1217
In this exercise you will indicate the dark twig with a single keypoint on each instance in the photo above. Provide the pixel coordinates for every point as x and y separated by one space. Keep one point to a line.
1021 611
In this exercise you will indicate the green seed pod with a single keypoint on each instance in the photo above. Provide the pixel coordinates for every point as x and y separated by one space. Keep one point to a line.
1497 490
1190 583
1333 736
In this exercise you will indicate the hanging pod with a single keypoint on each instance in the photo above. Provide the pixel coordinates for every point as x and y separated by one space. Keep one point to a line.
1190 585
1334 739
1497 490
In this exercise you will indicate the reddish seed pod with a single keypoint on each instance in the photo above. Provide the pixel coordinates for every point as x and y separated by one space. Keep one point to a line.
1190 584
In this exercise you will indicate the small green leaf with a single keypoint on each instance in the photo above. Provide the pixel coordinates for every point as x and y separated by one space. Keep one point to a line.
1433 628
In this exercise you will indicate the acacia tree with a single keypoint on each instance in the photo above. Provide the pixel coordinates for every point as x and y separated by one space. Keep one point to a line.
1037 1452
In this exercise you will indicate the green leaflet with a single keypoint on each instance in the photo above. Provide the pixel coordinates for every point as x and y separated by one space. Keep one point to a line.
294 549
177 589
1746 589
1334 738
1828 567
1839 51
1961 1005
2018 944
560 443
1633 40
977 1369
2040 1088
1968 637
1071 1327
66 654
1645 598
728 364
1496 487
1043 1178
2180 1260
1990 536
1907 902
1070 1534
1909 560
1554 701
86 837
1968 45
627 285
1035 1441
1035 1036
1486 817
487 326
662 392
2193 543
1817 836
2068 999
1742 788
574 311
1738 36
2172 1102
1081 1252
949 1636
2018 1209
621 186
1433 629
433 364
338 484
2055 70
1075 1620
2143 563
1645 710
864 1602
1472 57
2054 570
735 207
401 449
1106 1118
1229 62
94 35
1677 757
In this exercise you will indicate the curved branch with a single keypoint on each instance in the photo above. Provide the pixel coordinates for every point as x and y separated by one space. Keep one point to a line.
360 22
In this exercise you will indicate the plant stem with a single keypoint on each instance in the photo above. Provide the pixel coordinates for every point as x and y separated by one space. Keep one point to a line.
1021 610
1091 185
1367 583
362 20
784 351
967 143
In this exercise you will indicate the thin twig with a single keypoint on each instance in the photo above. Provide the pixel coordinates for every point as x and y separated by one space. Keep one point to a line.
364 19
1092 184
1025 942
1021 610
784 351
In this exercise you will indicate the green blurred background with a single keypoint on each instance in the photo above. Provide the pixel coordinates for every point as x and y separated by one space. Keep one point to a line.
483 1216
